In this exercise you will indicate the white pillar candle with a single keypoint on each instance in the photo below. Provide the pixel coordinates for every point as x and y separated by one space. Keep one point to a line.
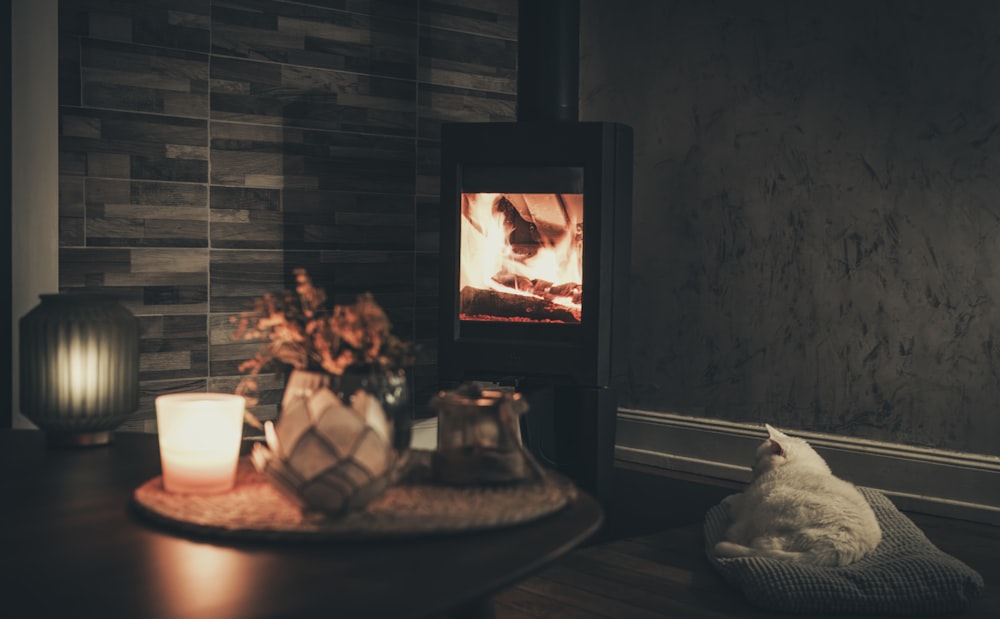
199 435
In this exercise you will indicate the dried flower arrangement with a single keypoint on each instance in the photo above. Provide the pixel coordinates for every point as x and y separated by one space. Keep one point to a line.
301 332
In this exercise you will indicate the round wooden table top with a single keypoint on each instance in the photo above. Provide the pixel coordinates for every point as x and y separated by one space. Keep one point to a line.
73 544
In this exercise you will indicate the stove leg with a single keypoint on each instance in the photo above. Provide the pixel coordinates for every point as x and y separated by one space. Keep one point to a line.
572 429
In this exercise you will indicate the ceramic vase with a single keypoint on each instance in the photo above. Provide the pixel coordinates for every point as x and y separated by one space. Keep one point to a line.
328 452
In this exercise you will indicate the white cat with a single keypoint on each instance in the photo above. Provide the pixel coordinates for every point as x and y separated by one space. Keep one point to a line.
796 509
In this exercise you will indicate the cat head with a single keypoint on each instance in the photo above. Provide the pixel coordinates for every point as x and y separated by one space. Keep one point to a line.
782 450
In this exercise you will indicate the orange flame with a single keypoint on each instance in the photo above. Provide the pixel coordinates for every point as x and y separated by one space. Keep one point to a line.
524 244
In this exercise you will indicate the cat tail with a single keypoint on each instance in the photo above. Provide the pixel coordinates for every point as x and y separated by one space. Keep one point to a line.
732 550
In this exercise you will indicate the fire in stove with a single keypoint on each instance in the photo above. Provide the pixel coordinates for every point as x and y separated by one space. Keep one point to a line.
521 257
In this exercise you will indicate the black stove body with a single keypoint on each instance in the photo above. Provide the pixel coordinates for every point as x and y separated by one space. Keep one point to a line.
535 254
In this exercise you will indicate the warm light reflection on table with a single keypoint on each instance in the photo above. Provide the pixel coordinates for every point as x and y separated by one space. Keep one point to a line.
75 545
202 579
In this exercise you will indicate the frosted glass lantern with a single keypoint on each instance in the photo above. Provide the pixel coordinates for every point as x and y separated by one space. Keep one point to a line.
79 367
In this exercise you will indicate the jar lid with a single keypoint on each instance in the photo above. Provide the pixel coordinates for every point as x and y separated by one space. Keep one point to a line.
468 398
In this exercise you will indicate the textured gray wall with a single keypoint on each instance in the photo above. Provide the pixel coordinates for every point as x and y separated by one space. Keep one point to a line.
817 208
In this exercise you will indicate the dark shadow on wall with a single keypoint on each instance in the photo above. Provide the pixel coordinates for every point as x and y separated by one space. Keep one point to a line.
346 209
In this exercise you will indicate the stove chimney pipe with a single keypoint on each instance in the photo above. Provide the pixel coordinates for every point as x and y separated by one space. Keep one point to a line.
548 60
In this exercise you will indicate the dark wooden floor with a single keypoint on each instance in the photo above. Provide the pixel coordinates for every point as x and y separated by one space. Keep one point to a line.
647 561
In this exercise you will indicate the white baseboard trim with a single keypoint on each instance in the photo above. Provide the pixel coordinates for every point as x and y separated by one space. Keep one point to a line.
932 481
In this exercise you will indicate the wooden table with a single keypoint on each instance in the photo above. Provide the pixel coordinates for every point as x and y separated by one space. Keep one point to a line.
71 546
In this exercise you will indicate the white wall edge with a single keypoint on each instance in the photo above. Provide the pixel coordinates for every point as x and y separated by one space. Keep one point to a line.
920 479
34 146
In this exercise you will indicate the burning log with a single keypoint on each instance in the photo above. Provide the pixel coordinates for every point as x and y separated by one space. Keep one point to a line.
573 291
515 281
504 305
566 290
546 212
539 287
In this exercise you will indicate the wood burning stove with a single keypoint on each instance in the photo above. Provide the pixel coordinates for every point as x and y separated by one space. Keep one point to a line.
535 246
535 253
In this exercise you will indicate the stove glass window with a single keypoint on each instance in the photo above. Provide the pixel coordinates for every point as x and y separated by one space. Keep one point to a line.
521 257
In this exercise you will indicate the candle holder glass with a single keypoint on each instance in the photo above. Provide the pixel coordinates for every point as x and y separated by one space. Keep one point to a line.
199 437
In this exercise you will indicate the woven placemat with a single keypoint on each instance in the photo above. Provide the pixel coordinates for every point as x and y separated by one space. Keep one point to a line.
414 506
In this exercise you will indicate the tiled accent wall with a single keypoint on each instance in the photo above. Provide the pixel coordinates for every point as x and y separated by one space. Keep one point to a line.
207 148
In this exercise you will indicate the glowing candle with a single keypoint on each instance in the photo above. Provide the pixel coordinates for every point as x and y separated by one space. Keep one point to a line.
199 436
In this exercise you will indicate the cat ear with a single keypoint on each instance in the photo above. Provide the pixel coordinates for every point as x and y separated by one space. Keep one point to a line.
775 436
776 448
